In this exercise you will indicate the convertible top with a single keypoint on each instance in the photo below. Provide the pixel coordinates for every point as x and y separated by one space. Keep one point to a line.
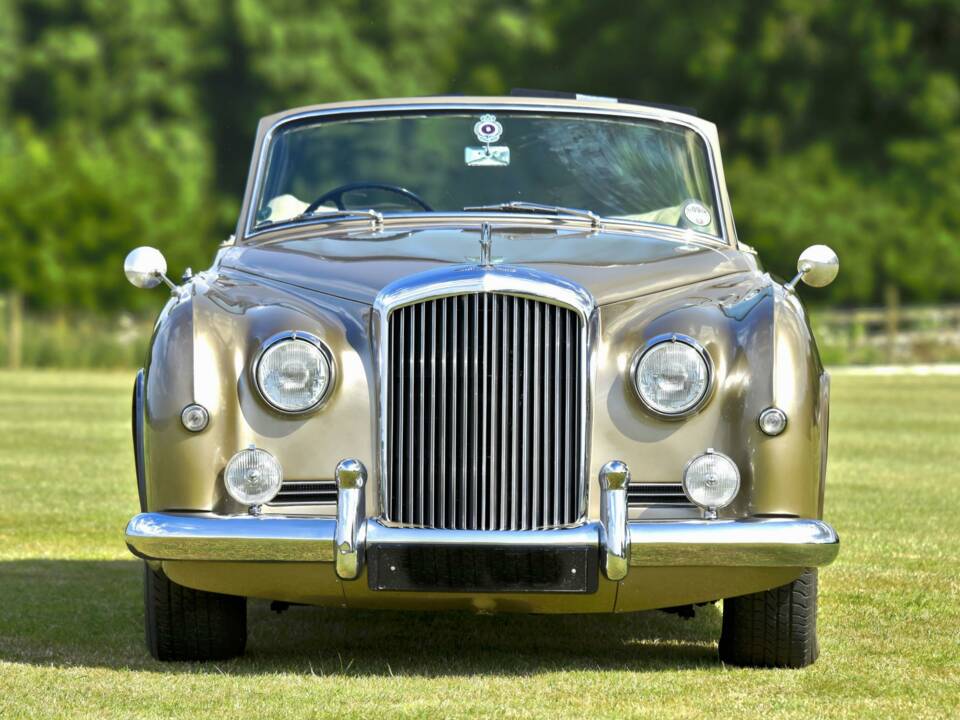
560 94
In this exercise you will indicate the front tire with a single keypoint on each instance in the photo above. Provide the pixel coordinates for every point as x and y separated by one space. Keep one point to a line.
186 624
774 628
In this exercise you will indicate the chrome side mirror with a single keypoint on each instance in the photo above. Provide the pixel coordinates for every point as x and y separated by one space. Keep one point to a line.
817 267
145 267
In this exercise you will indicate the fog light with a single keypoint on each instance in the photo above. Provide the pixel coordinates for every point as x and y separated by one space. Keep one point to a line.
773 421
711 481
195 417
253 476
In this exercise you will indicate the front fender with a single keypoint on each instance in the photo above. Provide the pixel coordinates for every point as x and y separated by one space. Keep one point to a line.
763 355
201 353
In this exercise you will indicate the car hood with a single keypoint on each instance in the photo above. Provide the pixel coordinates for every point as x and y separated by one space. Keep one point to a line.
612 266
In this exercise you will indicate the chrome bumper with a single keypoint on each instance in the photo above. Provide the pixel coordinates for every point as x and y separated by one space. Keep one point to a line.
754 542
247 538
767 542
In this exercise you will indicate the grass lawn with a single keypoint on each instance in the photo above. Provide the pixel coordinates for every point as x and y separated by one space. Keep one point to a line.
70 596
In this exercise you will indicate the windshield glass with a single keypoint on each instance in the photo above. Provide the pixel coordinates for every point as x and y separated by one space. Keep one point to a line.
641 170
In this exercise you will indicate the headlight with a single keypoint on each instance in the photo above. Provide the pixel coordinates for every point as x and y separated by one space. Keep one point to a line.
711 480
672 377
253 476
294 373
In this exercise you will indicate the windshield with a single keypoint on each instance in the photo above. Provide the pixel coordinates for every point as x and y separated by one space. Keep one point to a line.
640 170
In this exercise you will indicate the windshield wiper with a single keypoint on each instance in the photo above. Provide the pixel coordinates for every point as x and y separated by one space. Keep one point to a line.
532 207
376 217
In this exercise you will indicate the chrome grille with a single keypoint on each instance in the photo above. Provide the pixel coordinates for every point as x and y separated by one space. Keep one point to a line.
306 492
484 410
656 494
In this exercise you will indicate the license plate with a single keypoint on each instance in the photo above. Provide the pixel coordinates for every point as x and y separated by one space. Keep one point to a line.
509 569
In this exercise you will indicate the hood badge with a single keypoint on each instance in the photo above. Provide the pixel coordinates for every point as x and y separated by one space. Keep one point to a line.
486 245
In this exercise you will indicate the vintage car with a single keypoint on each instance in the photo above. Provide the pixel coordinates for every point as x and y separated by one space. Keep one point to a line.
495 354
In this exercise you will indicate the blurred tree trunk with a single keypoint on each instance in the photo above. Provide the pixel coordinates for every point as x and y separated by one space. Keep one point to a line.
15 329
891 300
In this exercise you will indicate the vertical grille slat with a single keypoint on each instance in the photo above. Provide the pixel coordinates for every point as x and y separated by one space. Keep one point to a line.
441 402
411 418
546 515
433 412
504 413
477 414
567 426
464 430
483 412
536 380
454 418
421 458
485 489
513 498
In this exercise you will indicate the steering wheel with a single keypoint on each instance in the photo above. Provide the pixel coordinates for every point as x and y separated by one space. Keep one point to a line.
338 192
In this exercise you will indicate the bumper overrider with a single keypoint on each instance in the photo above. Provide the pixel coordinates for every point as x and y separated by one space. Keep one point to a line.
614 543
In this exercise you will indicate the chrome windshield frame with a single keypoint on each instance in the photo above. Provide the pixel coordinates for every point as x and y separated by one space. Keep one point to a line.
247 229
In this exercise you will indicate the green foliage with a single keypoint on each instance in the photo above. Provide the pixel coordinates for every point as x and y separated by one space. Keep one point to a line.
124 123
839 120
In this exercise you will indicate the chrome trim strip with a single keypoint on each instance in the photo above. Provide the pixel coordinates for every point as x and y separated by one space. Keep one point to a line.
755 542
459 219
248 538
634 112
139 458
349 539
295 335
614 538
686 340
504 280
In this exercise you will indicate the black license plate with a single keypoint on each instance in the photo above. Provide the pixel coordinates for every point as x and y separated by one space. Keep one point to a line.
445 568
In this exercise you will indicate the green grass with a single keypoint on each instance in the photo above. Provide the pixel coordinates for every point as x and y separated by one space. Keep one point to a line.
70 596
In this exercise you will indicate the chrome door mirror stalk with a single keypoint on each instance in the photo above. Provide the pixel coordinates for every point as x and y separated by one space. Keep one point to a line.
614 534
817 267
145 267
348 542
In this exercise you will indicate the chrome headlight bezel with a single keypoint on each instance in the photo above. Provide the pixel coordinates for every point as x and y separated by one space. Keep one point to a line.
294 336
652 344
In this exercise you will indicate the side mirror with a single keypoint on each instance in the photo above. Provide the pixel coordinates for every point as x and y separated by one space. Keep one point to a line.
817 267
145 267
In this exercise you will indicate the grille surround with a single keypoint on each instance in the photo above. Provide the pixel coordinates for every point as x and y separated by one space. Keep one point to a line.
519 284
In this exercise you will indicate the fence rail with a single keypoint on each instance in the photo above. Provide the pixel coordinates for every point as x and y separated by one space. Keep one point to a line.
896 334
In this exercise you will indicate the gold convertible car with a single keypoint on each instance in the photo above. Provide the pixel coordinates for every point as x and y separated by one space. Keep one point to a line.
496 354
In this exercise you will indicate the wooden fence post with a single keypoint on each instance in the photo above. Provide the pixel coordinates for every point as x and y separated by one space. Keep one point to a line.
15 330
891 296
